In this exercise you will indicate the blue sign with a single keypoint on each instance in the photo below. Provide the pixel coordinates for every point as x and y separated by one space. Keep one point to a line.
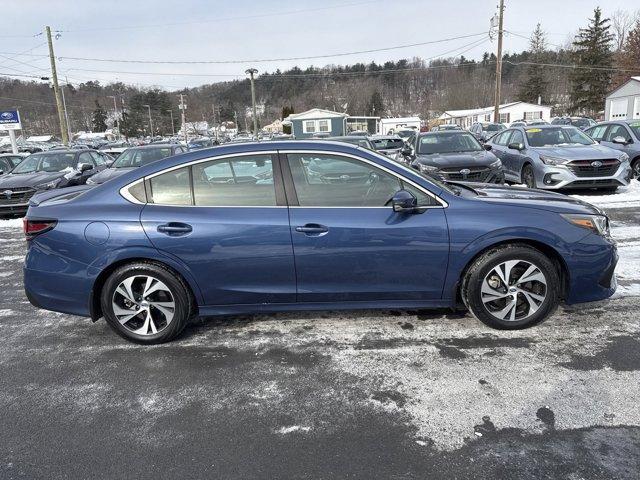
10 120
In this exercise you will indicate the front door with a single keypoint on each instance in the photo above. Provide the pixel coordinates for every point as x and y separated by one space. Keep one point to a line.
226 219
349 244
614 131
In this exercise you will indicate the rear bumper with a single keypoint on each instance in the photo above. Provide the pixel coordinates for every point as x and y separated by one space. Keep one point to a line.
64 294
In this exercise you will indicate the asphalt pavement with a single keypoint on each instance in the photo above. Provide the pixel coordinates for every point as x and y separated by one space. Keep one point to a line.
366 395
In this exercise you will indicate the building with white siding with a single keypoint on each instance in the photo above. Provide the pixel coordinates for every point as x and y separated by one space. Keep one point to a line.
509 112
624 102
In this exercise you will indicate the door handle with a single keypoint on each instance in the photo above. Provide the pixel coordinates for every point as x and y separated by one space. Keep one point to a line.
175 229
312 229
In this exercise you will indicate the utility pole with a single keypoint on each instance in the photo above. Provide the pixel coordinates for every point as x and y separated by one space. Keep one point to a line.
173 128
66 115
183 108
150 120
56 90
115 113
496 108
251 72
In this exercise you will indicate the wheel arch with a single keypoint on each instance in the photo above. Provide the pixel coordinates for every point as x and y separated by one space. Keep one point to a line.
95 308
546 249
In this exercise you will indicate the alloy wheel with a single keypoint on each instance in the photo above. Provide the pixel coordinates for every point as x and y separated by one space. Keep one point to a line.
514 290
143 304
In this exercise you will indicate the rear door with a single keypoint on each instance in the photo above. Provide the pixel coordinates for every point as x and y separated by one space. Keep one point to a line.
349 244
226 219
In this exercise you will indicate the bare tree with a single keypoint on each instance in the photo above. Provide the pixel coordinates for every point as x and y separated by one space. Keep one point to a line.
621 22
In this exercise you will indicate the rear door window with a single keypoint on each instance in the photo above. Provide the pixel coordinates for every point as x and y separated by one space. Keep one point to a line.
171 188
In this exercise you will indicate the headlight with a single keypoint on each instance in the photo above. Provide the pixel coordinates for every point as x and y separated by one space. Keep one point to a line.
624 157
49 185
596 223
547 160
496 164
90 181
427 168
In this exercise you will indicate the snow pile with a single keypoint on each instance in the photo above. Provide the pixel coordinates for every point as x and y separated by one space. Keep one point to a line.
13 223
625 197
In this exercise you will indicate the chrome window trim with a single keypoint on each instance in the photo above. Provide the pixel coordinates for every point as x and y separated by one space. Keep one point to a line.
127 196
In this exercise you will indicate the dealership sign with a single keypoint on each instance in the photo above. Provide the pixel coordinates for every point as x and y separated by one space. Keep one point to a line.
10 120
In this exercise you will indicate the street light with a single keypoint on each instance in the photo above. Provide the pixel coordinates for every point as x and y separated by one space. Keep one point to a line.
115 112
150 121
251 72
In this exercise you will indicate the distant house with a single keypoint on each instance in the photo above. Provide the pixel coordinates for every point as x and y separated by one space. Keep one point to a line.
624 102
392 125
317 120
509 112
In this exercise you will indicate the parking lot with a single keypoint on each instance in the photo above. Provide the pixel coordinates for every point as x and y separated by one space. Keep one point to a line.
326 395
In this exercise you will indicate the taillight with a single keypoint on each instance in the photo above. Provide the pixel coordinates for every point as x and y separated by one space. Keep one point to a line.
36 227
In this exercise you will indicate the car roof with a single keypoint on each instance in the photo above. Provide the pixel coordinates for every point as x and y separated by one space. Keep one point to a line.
384 137
19 154
152 146
63 150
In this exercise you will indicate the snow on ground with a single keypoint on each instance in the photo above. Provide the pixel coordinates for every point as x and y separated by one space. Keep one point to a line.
625 197
13 223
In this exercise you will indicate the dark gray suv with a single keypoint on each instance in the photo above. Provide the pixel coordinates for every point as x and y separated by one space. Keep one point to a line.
622 135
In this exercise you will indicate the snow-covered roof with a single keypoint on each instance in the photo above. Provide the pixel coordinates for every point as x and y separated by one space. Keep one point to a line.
315 113
400 119
40 138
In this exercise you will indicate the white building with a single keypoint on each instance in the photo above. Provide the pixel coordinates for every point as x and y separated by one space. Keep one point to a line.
624 102
509 112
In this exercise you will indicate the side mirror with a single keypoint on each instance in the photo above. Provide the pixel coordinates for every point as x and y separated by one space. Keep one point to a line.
516 146
487 147
83 167
404 201
407 151
620 140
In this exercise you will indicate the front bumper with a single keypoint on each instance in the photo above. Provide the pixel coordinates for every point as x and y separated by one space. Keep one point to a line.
556 177
14 209
486 175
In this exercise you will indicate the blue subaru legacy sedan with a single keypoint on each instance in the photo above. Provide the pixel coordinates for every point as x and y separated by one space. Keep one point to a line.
307 225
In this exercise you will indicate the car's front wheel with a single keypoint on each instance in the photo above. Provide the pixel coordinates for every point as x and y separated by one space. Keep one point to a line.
528 176
146 302
512 287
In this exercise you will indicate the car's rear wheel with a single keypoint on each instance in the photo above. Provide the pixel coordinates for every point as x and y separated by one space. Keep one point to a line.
528 177
512 287
146 302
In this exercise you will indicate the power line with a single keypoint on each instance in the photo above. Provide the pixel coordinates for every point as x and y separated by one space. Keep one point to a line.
265 60
222 19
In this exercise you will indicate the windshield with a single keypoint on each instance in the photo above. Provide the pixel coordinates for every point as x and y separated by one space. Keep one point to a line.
580 122
51 162
448 142
387 143
133 158
547 137
493 127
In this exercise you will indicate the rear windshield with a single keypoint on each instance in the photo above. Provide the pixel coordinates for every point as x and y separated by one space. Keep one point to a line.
387 143
138 157
556 136
493 127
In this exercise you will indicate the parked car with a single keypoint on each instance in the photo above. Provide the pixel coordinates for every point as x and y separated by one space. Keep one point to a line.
533 123
8 161
359 133
190 238
197 144
408 135
392 146
363 142
456 156
282 136
557 156
518 123
54 169
135 157
623 135
580 122
483 131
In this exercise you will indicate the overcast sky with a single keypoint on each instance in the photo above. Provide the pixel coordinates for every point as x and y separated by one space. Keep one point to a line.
266 29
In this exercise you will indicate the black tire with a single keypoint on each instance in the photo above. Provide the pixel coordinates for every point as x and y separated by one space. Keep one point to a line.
483 265
182 297
528 177
635 166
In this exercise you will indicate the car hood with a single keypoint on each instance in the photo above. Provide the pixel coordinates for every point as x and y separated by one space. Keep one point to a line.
28 179
109 173
533 198
579 152
457 159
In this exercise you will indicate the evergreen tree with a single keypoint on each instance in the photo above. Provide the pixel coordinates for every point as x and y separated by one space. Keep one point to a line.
536 84
99 118
375 106
592 48
130 124
628 59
